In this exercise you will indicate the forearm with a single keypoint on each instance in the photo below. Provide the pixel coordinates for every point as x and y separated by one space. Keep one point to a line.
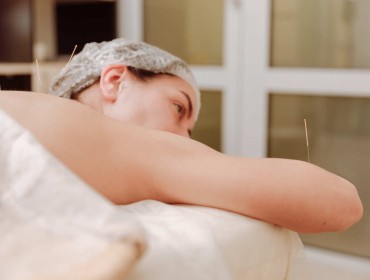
300 196
293 194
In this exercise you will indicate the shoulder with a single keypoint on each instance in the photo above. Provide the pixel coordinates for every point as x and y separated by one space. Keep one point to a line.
36 111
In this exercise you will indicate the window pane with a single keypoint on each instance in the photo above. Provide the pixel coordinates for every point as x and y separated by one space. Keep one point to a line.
320 33
190 29
339 141
208 127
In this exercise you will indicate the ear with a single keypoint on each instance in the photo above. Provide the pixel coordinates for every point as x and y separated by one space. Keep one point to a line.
110 80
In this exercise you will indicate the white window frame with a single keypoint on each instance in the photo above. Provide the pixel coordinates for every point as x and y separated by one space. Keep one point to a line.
259 79
225 78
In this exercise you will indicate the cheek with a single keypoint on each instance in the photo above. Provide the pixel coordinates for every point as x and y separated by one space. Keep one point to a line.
158 121
160 118
124 111
150 117
153 113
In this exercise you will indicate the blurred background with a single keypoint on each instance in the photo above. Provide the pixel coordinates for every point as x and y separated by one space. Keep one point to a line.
262 66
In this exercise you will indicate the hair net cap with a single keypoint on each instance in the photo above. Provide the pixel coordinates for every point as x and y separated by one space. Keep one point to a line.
85 67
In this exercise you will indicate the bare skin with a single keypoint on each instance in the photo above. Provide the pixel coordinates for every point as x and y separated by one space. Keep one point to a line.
164 103
128 163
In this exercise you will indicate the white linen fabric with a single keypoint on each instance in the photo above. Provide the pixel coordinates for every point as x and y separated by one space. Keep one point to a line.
54 226
194 242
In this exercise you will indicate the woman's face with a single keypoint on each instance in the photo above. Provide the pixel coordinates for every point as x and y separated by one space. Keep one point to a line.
163 102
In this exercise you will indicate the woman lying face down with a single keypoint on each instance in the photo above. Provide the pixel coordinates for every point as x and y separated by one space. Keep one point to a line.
127 154
133 82
162 102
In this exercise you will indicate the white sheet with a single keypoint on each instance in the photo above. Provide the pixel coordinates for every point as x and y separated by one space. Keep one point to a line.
191 242
52 224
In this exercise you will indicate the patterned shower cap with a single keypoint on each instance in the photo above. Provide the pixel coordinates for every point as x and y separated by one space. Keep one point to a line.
85 67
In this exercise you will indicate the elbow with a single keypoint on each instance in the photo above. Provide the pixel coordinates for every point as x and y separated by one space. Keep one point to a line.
338 222
352 215
346 206
349 213
340 214
357 214
354 209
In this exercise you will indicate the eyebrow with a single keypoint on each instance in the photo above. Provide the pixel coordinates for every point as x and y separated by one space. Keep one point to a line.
190 104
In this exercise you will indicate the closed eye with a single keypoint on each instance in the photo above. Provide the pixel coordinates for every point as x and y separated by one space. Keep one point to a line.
180 109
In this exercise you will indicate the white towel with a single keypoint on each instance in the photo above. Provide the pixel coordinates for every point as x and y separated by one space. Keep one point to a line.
52 225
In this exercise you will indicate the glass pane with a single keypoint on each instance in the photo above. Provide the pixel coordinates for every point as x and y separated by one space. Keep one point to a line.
191 29
339 141
320 33
208 127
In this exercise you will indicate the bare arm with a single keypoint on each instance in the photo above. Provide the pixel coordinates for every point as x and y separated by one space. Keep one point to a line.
128 163
293 194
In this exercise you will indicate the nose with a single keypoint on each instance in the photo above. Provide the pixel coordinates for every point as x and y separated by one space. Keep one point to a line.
181 130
